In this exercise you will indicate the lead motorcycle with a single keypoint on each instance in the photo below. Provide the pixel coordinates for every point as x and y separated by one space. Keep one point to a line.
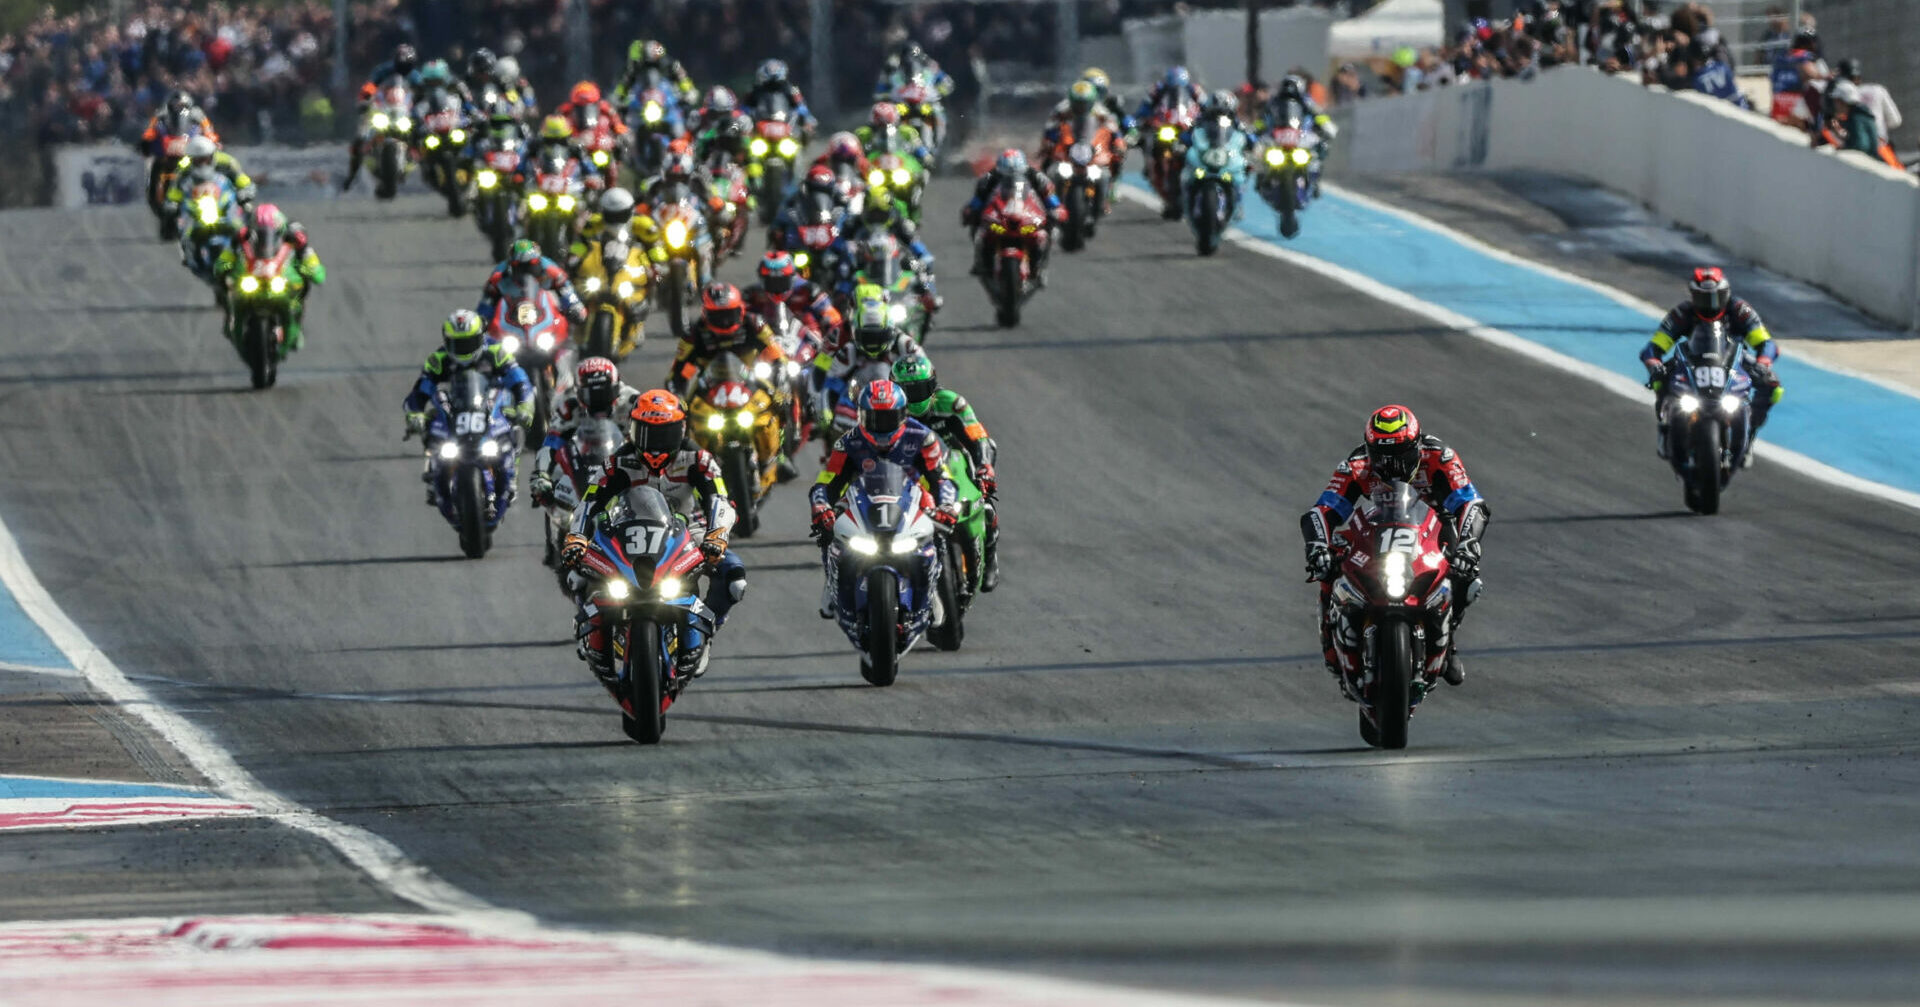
890 585
1709 414
470 447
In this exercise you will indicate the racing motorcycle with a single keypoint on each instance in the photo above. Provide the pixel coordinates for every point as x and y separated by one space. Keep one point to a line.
964 547
653 130
643 573
1392 575
920 107
387 135
208 218
1166 151
889 584
173 149
555 201
470 446
612 279
771 153
732 417
576 467
262 298
802 344
728 221
1014 226
901 175
881 264
496 204
529 324
1287 182
683 255
1083 163
596 136
443 142
1709 414
1216 169
817 227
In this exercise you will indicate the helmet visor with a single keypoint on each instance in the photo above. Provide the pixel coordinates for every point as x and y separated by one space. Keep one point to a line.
883 422
918 392
725 319
1711 301
659 438
873 342
1394 461
598 398
465 348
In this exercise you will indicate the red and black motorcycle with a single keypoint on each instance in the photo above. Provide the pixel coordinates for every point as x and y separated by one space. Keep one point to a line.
1013 225
1166 154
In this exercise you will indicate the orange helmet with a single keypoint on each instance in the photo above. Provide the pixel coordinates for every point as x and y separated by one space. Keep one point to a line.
659 425
1393 442
724 310
585 93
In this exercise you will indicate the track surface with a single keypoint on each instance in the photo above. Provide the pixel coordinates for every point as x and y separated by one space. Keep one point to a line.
1682 764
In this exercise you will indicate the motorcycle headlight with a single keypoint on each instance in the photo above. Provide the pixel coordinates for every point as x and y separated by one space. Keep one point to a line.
670 587
901 177
1063 169
625 289
278 284
789 148
600 158
545 341
249 284
536 202
758 148
511 344
1394 566
1729 404
618 590
403 124
716 422
800 260
762 370
378 120
458 136
744 418
1276 156
449 450
864 545
876 177
676 234
209 210
488 179
433 142
566 204
489 449
1301 156
904 544
1199 172
896 313
1093 171
1168 134
1689 403
591 284
651 113
793 369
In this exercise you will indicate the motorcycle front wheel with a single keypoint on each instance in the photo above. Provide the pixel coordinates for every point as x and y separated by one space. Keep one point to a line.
881 663
256 344
1008 287
1703 481
470 509
952 630
644 663
1392 699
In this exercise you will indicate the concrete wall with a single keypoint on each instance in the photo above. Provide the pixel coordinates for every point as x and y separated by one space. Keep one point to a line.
1840 221
1213 44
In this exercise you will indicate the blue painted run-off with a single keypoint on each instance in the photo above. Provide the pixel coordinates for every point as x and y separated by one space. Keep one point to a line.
37 786
22 641
1853 425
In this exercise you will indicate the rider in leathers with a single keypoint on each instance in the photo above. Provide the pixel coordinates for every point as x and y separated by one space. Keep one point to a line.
949 414
1395 449
464 346
1710 299
598 393
1012 164
1291 94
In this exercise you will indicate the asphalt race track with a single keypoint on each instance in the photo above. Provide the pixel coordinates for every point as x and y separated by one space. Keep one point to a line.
1681 766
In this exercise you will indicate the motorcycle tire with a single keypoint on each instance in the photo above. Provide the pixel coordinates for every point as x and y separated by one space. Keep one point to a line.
470 509
1392 684
952 630
600 335
1206 219
256 343
1703 481
500 239
457 201
880 665
645 664
773 190
542 404
674 298
169 228
1007 296
1072 236
1289 214
386 173
742 490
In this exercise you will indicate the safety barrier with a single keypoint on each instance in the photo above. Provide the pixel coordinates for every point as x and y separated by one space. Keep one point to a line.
1837 220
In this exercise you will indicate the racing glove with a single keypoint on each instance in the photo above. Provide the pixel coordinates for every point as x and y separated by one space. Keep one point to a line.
989 484
520 413
714 545
1465 557
822 522
1656 372
572 550
946 517
416 424
1319 561
541 488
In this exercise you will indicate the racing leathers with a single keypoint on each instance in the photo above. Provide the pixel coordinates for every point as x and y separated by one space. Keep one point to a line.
905 138
153 144
1161 93
568 413
803 117
505 374
224 163
949 414
753 343
1042 189
1284 107
919 258
1441 480
691 482
847 360
550 276
305 264
569 149
670 71
1746 326
913 447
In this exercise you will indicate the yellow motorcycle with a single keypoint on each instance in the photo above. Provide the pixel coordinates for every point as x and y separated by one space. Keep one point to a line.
682 254
732 415
613 280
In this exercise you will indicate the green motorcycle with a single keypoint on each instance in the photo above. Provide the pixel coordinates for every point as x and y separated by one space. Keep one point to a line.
966 544
263 304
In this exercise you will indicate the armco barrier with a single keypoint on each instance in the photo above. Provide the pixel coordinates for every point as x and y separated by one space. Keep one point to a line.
111 174
1837 220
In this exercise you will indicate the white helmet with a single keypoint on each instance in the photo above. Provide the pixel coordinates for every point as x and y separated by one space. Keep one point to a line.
507 69
200 151
616 206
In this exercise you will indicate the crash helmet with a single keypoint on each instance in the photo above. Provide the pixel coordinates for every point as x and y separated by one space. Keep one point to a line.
1849 69
910 52
481 63
914 374
1102 84
649 51
659 427
777 273
200 152
819 180
1010 164
873 334
596 384
773 71
722 307
523 257
404 58
556 127
883 412
1081 97
264 228
463 336
616 207
436 72
1177 79
178 103
1223 102
1808 39
720 99
886 115
1393 443
678 166
507 71
503 114
1293 87
1710 292
843 147
585 93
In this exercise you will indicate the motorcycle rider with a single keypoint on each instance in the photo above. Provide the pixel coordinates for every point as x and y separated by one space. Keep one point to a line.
178 117
882 214
1176 87
1710 299
780 280
1108 101
586 94
875 340
194 232
436 73
615 212
506 70
771 78
659 453
1395 449
719 124
264 227
884 434
906 63
597 393
816 183
1010 165
524 260
464 346
644 55
724 326
1290 96
947 413
556 137
404 64
1083 100
202 159
883 122
844 155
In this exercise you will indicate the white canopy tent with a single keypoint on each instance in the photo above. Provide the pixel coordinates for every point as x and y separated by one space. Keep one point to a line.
1378 32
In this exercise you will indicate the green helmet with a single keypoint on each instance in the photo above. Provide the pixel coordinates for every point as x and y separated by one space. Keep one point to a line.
914 375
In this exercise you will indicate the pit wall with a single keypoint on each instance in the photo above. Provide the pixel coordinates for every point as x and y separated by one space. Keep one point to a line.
1839 221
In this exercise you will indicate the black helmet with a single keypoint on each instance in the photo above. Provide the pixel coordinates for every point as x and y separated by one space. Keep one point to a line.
404 58
1850 69
178 102
1710 292
481 62
597 385
1807 38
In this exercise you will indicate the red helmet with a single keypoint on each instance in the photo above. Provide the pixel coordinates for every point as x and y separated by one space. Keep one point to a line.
722 307
1710 292
597 385
843 147
777 273
679 165
1393 442
885 113
585 93
820 179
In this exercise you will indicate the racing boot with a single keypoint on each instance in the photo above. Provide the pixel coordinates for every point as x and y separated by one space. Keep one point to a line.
695 652
990 552
826 600
1456 670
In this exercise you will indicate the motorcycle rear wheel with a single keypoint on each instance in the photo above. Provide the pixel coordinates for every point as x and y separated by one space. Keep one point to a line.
644 662
1007 294
470 509
881 663
952 630
1392 685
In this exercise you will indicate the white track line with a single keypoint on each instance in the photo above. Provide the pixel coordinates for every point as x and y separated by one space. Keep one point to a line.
1615 383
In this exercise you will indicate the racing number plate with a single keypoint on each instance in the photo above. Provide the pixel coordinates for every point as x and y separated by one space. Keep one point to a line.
526 314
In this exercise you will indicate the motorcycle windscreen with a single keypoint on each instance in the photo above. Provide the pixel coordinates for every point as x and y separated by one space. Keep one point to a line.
468 390
772 105
595 441
1711 345
1396 502
883 261
884 495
